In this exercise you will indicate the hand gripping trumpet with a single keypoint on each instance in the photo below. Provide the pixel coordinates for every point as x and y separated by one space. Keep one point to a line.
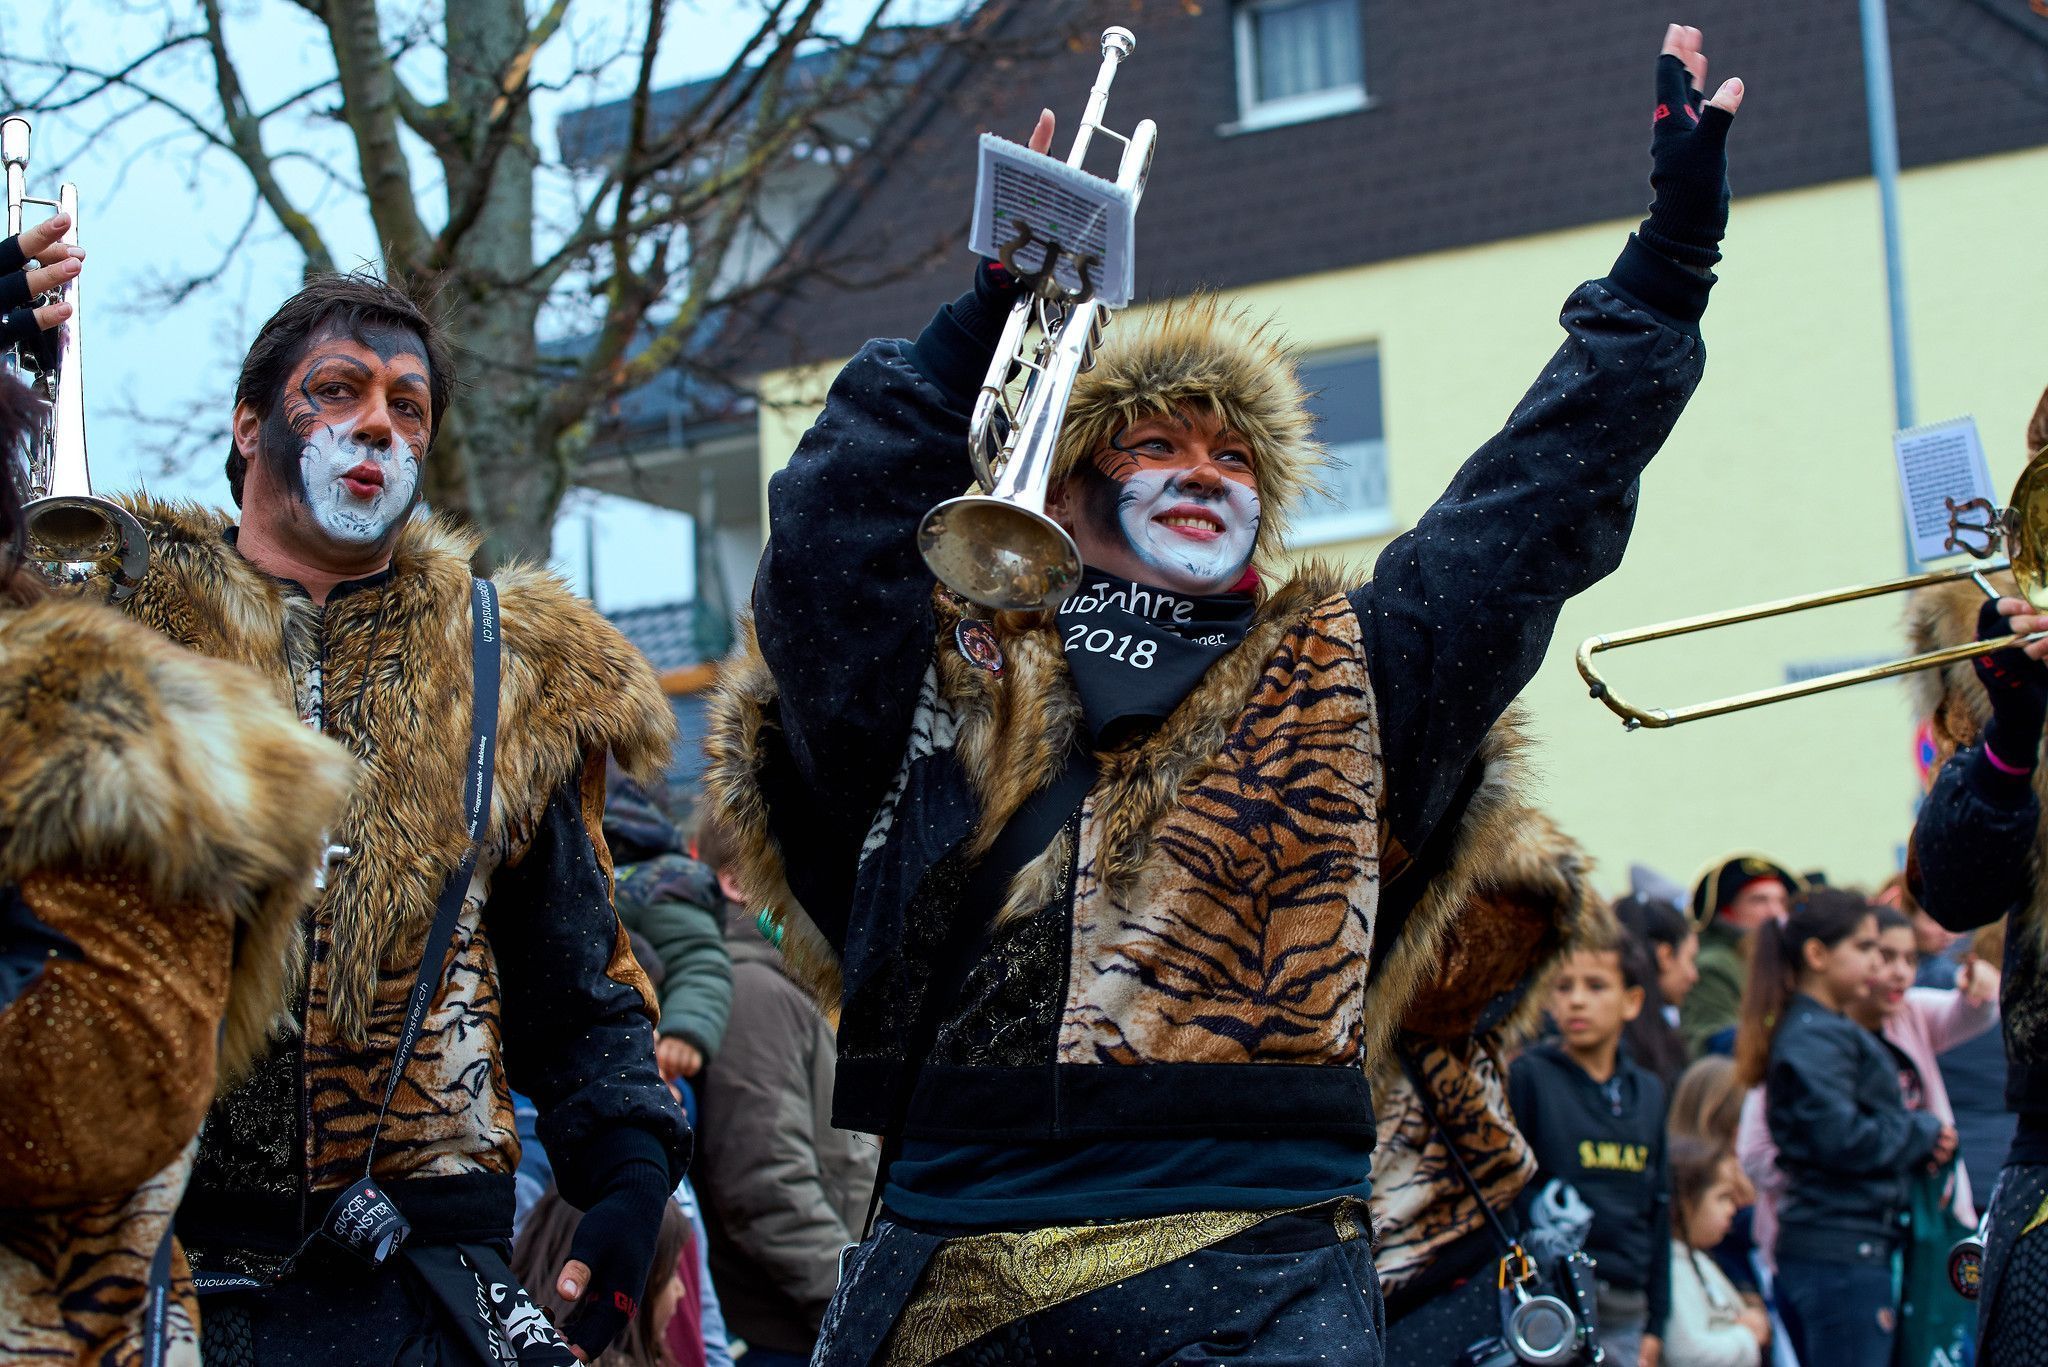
2020 529
73 535
998 548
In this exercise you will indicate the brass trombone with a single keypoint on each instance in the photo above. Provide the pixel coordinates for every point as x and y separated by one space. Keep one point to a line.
73 534
2021 528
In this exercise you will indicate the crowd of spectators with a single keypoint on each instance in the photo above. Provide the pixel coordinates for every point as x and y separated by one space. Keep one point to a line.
1765 1112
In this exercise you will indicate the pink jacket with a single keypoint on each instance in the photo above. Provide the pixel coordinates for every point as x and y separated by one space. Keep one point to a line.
1932 1021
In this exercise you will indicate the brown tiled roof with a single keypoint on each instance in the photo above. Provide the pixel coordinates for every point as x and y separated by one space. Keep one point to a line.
1486 122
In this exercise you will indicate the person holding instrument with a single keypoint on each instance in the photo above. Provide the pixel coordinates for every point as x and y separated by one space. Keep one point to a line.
1972 862
1106 892
162 817
351 1198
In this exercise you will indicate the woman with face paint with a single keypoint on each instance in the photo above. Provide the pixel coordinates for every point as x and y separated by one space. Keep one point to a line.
1116 903
163 816
351 1197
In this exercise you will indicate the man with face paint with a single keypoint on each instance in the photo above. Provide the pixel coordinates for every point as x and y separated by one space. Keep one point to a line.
361 611
1119 904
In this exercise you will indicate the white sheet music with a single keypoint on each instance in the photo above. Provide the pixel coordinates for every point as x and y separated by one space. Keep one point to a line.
1017 188
1940 461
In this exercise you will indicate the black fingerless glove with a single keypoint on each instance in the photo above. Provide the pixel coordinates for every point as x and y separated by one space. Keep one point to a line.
616 1237
18 311
1689 171
2018 689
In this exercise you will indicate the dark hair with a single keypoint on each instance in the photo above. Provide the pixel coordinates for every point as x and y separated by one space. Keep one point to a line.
349 304
1890 918
1650 1039
543 1246
1695 1163
1654 921
1776 959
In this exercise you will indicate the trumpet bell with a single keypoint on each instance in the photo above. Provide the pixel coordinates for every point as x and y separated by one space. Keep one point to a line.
79 538
999 553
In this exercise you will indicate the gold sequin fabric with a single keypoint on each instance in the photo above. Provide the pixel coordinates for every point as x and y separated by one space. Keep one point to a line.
977 1284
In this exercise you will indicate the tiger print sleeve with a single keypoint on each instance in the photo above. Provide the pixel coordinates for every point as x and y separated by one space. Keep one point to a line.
1460 608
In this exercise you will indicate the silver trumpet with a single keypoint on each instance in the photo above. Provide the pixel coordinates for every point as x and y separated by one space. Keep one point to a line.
998 548
72 534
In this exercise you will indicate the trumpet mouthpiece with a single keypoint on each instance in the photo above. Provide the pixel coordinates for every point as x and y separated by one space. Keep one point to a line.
1119 40
14 140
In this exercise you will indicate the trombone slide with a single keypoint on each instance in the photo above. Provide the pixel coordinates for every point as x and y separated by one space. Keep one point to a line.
1633 716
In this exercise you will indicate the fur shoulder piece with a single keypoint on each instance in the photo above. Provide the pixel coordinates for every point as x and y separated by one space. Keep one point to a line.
581 686
1950 699
1510 870
1200 353
120 750
742 710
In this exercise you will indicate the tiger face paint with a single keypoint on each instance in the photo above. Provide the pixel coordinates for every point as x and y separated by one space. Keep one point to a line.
1171 503
349 432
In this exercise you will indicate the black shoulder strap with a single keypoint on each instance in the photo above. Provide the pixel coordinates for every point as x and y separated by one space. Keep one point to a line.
480 767
156 1309
1508 1247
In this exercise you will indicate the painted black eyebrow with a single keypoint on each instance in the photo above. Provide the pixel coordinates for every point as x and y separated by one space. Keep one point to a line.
412 377
360 370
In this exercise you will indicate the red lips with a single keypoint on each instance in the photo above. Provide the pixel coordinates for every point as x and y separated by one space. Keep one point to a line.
1178 518
366 480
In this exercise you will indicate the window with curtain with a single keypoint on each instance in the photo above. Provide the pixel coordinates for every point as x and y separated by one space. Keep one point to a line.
1298 59
1345 397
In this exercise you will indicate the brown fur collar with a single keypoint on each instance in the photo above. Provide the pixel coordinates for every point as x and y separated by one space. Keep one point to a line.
1200 353
1519 895
117 749
1013 727
397 676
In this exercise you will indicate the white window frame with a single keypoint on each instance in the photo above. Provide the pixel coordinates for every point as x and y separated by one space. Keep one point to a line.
1254 114
1351 524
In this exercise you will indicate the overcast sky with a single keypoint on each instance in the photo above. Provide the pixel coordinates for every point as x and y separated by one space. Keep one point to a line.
150 211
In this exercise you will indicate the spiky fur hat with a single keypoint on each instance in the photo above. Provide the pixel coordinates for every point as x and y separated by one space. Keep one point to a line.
1197 353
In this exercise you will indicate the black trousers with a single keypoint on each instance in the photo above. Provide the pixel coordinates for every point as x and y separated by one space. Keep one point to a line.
1286 1293
2012 1312
446 1305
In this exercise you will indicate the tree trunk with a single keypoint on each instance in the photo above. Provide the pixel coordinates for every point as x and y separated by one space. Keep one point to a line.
487 466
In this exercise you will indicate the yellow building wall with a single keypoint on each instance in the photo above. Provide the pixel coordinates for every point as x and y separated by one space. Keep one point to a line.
1778 480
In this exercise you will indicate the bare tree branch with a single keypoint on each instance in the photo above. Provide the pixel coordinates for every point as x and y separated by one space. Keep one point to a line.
370 104
245 131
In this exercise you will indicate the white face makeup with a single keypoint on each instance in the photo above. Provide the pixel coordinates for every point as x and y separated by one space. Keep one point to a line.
1194 540
357 490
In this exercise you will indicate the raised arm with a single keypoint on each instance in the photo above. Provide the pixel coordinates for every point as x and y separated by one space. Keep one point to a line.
1460 609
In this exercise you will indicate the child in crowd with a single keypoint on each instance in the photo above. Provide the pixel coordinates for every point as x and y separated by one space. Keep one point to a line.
1652 1038
1595 1120
1709 1324
544 1244
1846 1142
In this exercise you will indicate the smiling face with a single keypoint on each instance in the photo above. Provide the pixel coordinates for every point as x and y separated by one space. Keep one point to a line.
345 439
1170 503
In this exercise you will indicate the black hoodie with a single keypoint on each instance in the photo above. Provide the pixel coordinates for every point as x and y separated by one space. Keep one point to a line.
1607 1141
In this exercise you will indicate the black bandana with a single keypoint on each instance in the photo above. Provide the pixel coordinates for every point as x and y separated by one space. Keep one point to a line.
1136 651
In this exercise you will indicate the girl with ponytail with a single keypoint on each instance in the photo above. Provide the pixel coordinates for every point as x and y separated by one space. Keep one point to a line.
1847 1145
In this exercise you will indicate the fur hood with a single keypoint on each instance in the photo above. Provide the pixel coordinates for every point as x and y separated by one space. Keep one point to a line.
572 688
1200 353
120 750
1950 699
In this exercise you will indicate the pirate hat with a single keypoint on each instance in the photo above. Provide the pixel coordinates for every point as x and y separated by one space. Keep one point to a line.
1721 883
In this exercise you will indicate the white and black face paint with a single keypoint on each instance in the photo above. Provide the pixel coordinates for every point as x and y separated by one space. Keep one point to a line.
1194 537
357 490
